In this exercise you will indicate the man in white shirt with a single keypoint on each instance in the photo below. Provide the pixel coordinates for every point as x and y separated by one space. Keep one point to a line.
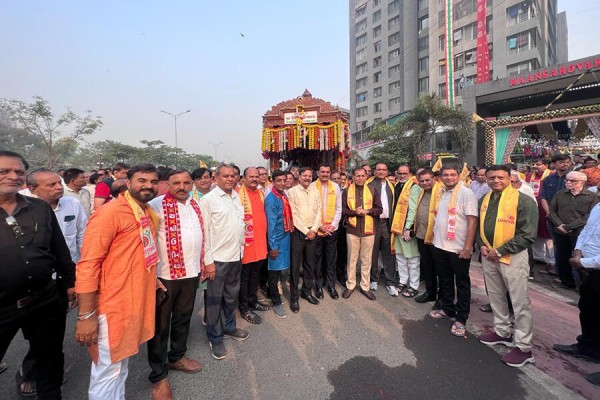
180 246
479 186
224 243
75 187
327 236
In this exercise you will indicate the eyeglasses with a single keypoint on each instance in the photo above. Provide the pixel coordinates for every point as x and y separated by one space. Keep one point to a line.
12 222
574 180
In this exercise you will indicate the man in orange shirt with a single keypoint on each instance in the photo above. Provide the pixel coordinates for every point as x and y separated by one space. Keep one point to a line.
255 246
591 171
116 283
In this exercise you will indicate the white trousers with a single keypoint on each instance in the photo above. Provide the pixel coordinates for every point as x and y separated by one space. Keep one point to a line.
409 269
107 381
543 250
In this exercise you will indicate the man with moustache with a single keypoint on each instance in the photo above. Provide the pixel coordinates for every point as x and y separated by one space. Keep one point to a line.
263 180
306 211
180 248
224 238
117 299
543 247
255 245
403 174
479 186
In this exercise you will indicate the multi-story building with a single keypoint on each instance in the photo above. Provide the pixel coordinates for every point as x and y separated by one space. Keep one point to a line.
398 50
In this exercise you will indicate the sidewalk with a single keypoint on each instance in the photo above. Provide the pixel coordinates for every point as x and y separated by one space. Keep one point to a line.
555 320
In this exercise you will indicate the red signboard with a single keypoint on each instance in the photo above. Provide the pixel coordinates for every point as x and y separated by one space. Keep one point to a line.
552 72
483 51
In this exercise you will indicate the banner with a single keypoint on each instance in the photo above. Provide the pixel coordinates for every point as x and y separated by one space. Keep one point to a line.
449 56
483 50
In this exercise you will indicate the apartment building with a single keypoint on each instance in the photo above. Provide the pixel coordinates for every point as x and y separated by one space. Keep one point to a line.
398 50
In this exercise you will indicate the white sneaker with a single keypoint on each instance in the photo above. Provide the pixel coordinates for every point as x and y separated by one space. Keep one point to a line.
374 286
392 291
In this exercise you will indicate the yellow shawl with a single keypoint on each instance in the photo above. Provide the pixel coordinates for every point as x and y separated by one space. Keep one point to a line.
367 204
506 221
327 204
437 188
402 208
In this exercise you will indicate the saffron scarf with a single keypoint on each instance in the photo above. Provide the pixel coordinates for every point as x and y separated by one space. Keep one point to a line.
328 203
402 208
437 187
288 221
506 220
144 218
367 204
536 184
173 236
248 216
451 225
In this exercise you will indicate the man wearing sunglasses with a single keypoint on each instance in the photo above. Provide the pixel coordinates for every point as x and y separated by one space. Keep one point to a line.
32 248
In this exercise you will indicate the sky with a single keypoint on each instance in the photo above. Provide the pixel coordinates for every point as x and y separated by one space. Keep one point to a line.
128 60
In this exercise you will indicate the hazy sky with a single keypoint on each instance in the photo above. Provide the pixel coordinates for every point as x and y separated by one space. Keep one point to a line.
127 60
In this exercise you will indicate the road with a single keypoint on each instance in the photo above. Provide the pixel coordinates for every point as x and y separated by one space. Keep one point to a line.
359 349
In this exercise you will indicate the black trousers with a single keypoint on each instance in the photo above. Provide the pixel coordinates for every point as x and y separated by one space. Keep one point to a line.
264 274
274 278
589 307
325 256
452 269
172 324
563 248
221 300
382 245
342 254
249 285
428 272
43 324
302 255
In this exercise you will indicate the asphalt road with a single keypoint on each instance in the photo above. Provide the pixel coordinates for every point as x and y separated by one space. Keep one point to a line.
339 349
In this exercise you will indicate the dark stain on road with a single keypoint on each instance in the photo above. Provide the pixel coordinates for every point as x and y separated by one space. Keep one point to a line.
447 367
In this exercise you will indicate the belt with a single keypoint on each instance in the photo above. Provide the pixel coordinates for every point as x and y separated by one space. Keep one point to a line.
25 301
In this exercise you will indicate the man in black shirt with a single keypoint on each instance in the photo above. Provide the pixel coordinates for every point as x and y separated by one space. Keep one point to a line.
32 248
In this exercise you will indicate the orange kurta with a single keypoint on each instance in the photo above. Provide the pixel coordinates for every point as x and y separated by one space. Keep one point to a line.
258 249
112 263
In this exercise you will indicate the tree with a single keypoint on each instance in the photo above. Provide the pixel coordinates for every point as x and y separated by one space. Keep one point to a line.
413 135
58 134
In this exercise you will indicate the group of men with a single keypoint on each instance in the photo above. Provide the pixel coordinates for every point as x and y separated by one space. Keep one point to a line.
238 233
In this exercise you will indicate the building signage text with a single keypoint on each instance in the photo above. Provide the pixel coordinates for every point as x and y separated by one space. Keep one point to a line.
554 72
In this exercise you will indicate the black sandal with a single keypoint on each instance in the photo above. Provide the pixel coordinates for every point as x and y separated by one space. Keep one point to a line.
252 317
410 292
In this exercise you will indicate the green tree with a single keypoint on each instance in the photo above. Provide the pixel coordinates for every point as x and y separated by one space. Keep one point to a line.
413 135
58 134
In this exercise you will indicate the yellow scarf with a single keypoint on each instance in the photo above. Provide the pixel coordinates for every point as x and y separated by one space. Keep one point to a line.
328 203
437 188
451 226
506 221
248 219
367 204
402 208
145 217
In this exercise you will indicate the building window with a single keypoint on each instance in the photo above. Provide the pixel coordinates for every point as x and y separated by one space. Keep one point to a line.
362 82
442 67
393 23
489 24
393 55
377 31
464 8
361 69
377 62
376 121
442 40
442 90
424 85
393 6
377 16
423 43
362 39
377 77
393 39
360 11
459 61
457 36
362 96
377 108
362 125
360 55
361 26
361 111
521 42
394 87
394 103
376 3
377 46
470 31
523 67
377 92
441 18
423 23
423 4
471 57
394 72
424 64
521 12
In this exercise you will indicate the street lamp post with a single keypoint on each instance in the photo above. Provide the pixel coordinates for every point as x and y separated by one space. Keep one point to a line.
215 145
175 119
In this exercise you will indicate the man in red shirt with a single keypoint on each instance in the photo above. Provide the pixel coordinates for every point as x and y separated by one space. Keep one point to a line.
102 194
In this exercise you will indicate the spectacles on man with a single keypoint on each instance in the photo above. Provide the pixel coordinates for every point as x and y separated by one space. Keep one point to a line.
574 180
12 222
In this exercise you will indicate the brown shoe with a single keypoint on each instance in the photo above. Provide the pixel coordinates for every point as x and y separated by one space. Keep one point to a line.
368 294
186 365
162 390
347 293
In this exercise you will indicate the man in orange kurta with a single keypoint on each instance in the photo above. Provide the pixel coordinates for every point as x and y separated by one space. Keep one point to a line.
255 249
116 283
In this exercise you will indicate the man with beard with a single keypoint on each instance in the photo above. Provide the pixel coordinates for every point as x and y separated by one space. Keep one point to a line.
180 247
116 283
403 174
